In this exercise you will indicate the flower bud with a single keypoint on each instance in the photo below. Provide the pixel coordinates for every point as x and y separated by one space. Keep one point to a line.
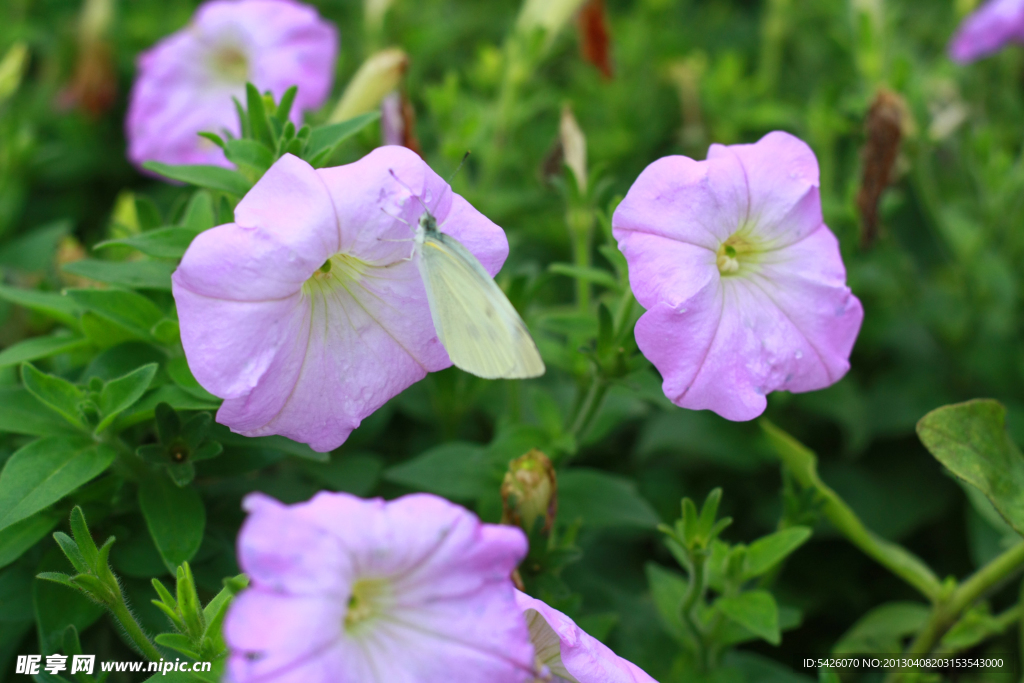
548 15
380 74
529 491
574 147
12 66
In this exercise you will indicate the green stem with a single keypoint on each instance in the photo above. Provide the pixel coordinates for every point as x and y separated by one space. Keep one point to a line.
693 594
590 405
803 465
946 612
134 632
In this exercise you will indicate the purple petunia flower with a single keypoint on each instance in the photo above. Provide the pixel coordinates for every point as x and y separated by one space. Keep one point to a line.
988 29
345 590
307 313
568 653
185 82
743 283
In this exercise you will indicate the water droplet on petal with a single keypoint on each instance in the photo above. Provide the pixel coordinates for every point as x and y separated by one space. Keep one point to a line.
798 355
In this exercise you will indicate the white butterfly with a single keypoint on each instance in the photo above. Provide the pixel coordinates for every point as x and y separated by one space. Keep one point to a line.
473 318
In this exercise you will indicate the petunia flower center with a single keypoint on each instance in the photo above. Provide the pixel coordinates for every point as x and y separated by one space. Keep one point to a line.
231 64
369 599
338 271
735 253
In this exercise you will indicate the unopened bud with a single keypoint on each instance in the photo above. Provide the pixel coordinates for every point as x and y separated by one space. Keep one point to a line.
548 15
574 147
530 491
12 66
380 74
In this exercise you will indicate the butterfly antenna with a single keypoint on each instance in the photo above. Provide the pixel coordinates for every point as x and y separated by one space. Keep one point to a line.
458 168
399 181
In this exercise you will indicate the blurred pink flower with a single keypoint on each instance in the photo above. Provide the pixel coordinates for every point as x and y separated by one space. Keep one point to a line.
307 314
568 653
345 590
743 283
186 81
988 29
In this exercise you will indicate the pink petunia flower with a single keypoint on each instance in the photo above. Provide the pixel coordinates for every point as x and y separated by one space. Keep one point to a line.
568 653
306 314
345 590
743 283
185 82
988 29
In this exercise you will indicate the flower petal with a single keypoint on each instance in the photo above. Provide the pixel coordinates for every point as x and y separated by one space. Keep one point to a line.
663 269
583 657
781 174
988 29
696 202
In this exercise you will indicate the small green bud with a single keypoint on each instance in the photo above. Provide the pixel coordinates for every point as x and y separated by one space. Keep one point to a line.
530 491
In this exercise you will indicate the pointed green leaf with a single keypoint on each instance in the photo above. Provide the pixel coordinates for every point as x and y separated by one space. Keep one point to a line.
131 274
71 551
668 590
22 413
755 611
83 539
258 118
41 347
72 645
199 214
20 536
52 304
324 139
603 500
970 439
46 470
250 153
180 374
169 243
54 392
120 394
176 519
768 551
179 642
211 177
284 107
883 629
132 311
598 276
57 577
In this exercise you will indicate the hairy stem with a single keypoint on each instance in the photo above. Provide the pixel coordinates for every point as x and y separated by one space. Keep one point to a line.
134 632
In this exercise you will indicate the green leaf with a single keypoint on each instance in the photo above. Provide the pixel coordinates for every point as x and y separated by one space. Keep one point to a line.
355 473
597 276
324 139
180 374
170 394
602 500
975 626
176 519
970 439
56 306
284 107
766 552
54 392
120 394
755 611
46 470
179 642
212 177
22 413
34 250
57 606
668 589
457 469
883 629
41 347
199 214
130 310
258 119
20 536
132 274
250 153
168 243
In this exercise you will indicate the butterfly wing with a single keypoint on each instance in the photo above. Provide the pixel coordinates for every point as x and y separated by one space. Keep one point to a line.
474 320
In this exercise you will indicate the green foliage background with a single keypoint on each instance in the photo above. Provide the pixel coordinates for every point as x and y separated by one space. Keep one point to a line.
940 288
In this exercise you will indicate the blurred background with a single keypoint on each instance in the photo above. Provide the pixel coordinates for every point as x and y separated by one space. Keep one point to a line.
922 180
